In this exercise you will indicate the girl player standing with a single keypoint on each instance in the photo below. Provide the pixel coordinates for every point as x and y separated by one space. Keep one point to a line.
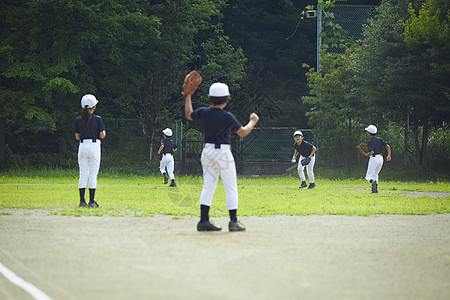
89 129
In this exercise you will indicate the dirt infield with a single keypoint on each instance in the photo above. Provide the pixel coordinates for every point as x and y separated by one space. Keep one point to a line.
278 257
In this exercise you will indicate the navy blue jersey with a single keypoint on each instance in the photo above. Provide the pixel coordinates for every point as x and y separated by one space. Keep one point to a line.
217 124
169 146
92 129
305 148
375 144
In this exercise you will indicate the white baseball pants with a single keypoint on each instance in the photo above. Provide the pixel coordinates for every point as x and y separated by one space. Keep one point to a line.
309 169
374 167
167 161
89 162
219 163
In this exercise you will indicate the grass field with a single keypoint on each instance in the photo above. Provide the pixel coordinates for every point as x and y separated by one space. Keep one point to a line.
146 196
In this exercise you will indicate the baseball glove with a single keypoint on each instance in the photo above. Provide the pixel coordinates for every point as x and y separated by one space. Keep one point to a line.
305 161
363 149
191 83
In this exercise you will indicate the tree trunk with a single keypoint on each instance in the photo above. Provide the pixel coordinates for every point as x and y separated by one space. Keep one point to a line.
2 142
150 136
421 148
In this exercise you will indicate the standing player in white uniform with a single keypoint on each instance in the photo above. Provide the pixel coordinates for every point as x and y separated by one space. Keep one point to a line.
306 151
89 129
168 148
217 159
374 146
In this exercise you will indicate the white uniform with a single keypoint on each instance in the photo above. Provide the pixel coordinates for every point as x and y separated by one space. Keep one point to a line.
309 169
374 168
167 162
219 162
89 162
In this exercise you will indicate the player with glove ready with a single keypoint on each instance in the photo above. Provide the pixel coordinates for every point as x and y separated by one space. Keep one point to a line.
307 159
217 159
167 148
374 147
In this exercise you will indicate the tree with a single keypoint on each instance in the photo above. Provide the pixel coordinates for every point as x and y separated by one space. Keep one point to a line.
131 54
394 80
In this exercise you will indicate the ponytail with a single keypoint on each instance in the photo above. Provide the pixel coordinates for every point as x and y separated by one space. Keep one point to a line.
85 114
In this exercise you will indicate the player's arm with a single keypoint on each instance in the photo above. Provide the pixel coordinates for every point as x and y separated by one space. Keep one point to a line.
102 134
369 153
77 136
294 156
245 130
313 151
160 149
188 107
388 158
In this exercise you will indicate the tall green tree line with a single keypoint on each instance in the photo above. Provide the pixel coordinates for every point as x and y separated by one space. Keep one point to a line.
397 73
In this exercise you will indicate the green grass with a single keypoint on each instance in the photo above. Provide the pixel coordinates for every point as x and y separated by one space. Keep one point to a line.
146 196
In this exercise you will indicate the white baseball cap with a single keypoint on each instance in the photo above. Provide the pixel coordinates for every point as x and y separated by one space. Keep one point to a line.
298 132
88 100
219 89
167 132
371 129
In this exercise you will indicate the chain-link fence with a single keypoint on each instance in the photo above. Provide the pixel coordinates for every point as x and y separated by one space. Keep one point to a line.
266 151
351 18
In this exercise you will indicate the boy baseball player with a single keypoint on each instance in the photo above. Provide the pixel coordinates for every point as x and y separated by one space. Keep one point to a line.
168 148
306 151
375 145
217 160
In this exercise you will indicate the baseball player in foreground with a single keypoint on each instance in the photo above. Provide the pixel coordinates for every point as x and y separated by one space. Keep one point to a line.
307 159
167 148
89 129
375 145
216 158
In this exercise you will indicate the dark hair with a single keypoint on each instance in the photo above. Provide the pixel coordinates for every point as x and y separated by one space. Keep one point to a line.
85 114
219 100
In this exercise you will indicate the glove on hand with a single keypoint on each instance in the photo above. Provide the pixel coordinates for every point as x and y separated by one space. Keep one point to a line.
305 161
363 148
191 83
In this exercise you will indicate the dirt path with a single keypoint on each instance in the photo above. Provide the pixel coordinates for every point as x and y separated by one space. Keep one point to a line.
279 257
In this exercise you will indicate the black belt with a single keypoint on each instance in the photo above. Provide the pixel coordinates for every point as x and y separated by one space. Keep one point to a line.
93 140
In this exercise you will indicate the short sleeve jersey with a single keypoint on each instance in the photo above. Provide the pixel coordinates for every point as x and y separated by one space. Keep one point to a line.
305 148
217 124
92 129
169 146
375 144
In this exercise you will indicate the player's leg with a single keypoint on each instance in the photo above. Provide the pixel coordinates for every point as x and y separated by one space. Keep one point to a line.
372 173
170 169
301 174
210 178
162 168
83 164
94 167
229 180
310 171
378 164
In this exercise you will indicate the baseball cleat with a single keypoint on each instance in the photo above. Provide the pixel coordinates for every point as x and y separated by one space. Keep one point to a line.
235 226
173 184
374 187
207 226
312 185
82 204
303 185
166 178
93 204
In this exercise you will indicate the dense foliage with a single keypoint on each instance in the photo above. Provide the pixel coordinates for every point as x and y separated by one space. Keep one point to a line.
133 56
398 74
